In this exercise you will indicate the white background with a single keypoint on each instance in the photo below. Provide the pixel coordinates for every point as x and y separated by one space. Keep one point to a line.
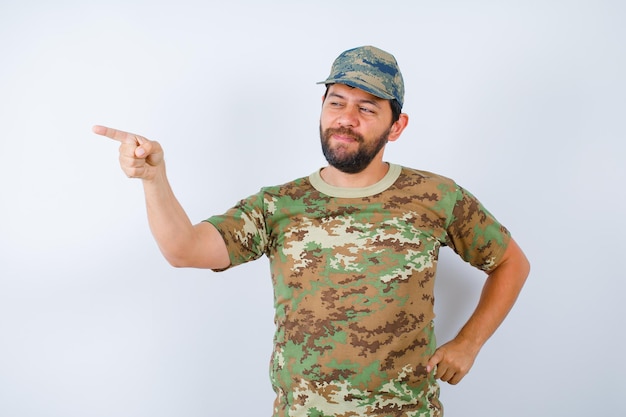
521 102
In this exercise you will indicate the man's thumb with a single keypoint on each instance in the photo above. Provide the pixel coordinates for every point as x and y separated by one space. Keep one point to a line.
434 360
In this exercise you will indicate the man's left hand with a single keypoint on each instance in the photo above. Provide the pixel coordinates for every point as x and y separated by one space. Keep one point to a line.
453 361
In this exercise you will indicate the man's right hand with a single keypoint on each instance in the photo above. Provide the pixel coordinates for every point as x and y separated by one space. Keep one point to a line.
139 157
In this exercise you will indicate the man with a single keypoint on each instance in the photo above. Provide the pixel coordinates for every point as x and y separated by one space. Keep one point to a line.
353 251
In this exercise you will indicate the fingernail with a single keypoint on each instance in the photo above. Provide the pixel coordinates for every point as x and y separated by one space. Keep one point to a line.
140 152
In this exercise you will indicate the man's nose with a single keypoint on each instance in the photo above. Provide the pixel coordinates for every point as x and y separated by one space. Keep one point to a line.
349 116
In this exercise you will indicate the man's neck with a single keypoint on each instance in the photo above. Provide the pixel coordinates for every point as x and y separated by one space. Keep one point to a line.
374 172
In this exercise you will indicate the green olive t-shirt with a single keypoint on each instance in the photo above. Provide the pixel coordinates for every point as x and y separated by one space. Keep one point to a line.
353 275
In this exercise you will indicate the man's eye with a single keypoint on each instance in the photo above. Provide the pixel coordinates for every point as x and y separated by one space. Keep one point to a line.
366 110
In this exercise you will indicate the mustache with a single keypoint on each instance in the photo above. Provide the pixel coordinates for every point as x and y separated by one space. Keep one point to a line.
344 131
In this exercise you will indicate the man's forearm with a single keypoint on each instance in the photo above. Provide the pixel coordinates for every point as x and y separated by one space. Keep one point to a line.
170 225
499 293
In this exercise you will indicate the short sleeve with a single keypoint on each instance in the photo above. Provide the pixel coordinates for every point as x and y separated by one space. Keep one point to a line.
243 228
474 233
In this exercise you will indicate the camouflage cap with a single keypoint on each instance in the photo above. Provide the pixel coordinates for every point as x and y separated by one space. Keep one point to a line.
369 69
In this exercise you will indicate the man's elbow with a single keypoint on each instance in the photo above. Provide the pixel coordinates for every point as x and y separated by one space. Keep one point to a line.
183 260
177 261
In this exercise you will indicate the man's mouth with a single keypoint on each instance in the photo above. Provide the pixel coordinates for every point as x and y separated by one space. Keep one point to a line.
344 135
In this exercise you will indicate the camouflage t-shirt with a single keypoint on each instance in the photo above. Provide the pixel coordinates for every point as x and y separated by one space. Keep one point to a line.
353 274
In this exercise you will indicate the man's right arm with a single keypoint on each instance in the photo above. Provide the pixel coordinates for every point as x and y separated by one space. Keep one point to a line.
182 243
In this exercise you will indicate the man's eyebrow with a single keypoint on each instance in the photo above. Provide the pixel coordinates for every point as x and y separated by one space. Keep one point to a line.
374 102
336 95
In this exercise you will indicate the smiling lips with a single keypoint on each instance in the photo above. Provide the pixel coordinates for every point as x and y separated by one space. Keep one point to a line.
343 134
343 138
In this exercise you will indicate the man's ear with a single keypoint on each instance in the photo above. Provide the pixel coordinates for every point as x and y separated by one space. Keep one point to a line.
398 126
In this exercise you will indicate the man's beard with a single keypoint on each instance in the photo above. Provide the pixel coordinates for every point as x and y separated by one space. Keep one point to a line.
350 162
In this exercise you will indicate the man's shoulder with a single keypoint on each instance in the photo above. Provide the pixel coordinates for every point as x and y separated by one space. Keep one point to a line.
294 189
413 176
294 183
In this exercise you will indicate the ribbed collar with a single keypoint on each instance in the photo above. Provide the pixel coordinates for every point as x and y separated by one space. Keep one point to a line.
358 192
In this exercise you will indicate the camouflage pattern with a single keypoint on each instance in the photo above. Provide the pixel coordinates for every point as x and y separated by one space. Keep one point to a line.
353 273
369 69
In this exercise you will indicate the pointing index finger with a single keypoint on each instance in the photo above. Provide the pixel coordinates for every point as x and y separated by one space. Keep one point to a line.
118 135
